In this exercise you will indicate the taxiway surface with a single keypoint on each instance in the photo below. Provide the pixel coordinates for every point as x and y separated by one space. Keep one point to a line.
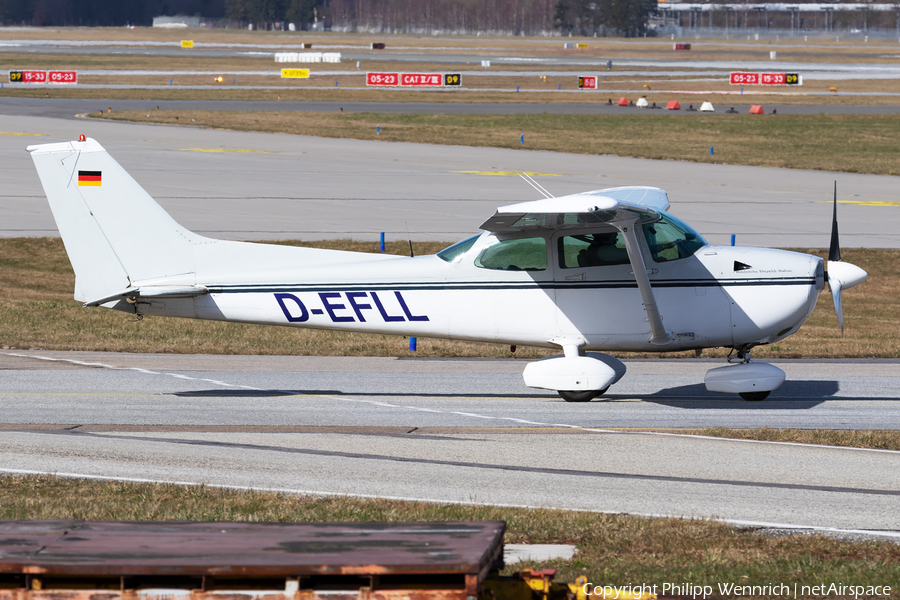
257 186
92 388
454 431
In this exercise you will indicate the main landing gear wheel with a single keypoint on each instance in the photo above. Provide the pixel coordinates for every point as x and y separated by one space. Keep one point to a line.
583 396
754 396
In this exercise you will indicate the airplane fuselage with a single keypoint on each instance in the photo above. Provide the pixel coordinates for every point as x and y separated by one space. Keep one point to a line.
706 302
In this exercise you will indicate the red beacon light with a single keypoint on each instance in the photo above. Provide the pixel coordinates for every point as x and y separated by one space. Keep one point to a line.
81 138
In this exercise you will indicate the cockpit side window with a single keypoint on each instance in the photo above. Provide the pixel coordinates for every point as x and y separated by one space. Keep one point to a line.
455 252
592 250
672 239
519 254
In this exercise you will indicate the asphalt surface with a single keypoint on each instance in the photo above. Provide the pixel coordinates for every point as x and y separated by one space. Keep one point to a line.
454 430
654 393
258 186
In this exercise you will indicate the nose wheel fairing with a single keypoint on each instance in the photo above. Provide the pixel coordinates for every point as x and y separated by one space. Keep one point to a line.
752 380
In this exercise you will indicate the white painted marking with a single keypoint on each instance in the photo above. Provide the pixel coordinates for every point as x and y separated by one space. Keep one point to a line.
735 522
450 412
477 416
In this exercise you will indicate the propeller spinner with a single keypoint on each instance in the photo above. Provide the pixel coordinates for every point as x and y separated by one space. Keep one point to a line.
841 275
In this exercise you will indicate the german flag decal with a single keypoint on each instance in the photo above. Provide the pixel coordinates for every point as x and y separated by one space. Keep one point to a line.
89 178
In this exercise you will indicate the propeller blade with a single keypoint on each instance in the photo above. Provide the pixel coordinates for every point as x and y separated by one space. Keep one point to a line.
843 276
835 284
834 252
834 256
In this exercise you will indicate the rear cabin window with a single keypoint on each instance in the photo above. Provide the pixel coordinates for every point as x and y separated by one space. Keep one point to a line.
520 254
592 250
672 239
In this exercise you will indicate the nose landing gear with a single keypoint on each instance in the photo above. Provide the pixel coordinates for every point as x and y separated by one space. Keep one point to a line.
751 380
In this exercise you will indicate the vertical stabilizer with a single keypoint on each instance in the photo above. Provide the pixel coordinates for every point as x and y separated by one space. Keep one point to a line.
114 232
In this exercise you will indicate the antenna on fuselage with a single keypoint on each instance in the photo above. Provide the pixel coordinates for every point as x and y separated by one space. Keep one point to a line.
409 237
535 185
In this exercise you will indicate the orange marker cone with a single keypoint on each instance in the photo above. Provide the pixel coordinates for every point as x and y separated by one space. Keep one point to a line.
623 101
756 109
673 105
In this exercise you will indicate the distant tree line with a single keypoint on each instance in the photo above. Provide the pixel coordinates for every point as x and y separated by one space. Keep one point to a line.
265 13
509 17
626 18
514 17
106 13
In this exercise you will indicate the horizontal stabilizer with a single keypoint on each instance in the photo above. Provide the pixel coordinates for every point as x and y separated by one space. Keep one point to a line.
152 291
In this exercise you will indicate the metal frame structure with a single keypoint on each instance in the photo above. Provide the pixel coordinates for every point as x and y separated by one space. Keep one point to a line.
80 560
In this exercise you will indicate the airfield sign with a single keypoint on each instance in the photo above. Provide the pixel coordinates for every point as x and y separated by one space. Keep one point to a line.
740 78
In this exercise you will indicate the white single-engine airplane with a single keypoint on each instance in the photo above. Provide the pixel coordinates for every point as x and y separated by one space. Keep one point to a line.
602 270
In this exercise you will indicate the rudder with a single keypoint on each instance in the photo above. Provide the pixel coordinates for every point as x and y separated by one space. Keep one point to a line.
115 233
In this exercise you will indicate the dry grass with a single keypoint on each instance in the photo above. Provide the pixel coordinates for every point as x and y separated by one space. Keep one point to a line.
15 60
854 143
303 93
37 311
880 439
612 549
721 91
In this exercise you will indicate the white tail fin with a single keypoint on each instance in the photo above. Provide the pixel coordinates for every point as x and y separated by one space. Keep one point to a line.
114 232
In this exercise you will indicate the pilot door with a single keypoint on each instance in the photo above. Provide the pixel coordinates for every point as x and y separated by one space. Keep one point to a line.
596 293
598 297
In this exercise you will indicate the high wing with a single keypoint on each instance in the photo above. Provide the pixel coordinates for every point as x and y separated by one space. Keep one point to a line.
600 206
625 208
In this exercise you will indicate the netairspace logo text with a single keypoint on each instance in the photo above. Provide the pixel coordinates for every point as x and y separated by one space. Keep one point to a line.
732 590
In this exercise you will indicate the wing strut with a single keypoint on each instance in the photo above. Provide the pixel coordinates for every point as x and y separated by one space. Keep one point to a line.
661 337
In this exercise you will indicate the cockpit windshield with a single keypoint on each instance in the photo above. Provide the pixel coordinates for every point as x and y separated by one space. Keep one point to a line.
514 254
671 238
455 252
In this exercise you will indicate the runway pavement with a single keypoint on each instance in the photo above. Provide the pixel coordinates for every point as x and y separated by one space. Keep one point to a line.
457 431
257 186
